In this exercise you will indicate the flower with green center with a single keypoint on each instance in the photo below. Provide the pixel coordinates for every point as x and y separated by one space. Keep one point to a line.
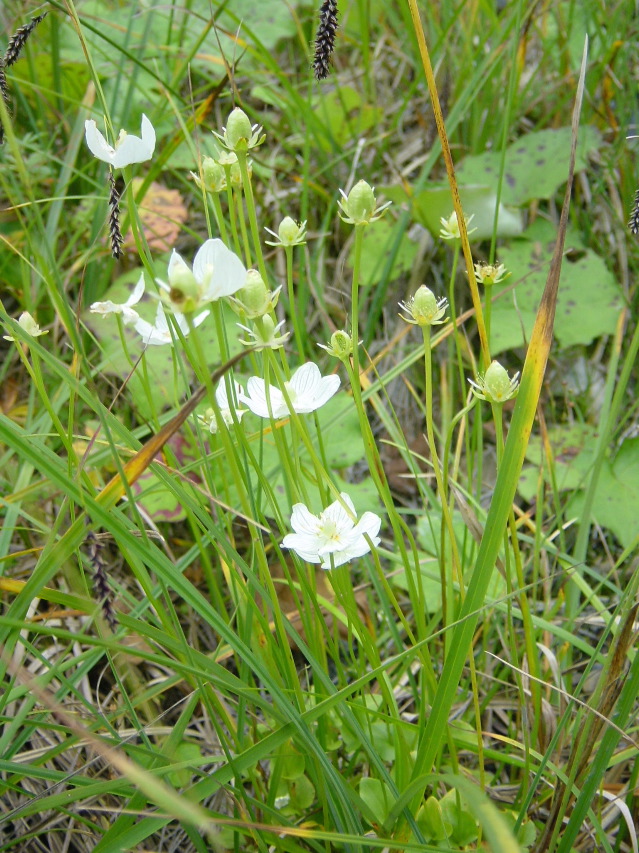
307 391
489 274
29 326
359 207
217 272
495 386
209 418
128 149
334 537
124 309
450 226
239 134
289 233
424 309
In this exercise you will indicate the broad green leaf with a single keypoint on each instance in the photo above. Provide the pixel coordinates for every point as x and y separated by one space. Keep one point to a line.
376 796
588 303
536 165
616 502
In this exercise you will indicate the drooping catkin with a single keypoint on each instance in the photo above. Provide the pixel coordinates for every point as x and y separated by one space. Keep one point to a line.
4 94
19 39
103 591
114 220
633 222
325 39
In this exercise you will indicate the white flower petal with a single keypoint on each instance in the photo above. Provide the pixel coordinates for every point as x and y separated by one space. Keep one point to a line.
303 521
218 270
138 292
256 400
132 149
178 267
96 142
308 391
302 546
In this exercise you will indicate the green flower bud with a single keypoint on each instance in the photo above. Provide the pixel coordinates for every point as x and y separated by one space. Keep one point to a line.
254 299
213 174
359 205
238 129
340 345
239 134
424 309
265 333
289 233
495 386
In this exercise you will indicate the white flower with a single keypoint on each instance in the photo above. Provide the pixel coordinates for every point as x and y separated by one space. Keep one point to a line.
29 325
333 538
129 315
209 418
307 390
128 149
217 272
159 334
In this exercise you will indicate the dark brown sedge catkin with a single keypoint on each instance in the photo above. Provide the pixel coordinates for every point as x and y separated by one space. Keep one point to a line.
633 222
4 94
114 220
19 39
325 39
103 591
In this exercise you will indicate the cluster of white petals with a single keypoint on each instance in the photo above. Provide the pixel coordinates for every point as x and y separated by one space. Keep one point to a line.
154 334
128 148
217 272
307 391
159 333
334 537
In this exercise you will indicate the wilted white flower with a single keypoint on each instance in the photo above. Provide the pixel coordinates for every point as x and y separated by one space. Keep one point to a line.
128 148
450 226
495 386
307 390
129 314
217 272
159 333
209 418
333 537
26 322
